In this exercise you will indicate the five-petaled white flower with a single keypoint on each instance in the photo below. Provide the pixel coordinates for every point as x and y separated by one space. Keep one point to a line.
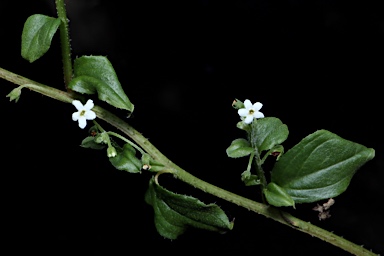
83 113
250 111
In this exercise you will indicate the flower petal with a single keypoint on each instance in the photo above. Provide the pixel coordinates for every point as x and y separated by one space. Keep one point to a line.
243 112
77 104
90 115
89 105
82 122
248 119
258 115
75 116
247 104
257 106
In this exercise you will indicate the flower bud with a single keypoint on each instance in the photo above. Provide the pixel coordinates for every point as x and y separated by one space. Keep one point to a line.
111 152
237 104
15 94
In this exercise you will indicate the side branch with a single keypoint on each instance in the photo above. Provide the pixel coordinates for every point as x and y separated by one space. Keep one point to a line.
263 209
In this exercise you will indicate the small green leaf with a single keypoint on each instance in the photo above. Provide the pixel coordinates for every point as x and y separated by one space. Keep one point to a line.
126 160
96 74
175 213
239 148
320 166
89 142
277 196
243 126
268 132
37 36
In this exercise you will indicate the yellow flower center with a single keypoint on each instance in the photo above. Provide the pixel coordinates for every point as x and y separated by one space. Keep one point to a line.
82 112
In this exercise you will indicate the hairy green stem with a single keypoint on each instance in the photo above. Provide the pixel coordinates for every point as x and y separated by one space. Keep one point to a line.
35 86
259 169
65 42
267 211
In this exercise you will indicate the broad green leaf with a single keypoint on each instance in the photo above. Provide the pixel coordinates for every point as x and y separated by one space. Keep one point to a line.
174 213
89 142
96 74
320 166
239 148
126 160
37 36
268 132
277 196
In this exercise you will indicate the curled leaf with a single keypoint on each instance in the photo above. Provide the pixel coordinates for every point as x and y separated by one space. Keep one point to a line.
126 160
174 213
95 74
277 196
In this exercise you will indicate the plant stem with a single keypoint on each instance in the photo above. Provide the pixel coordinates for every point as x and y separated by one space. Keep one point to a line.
258 163
37 87
267 211
65 42
259 170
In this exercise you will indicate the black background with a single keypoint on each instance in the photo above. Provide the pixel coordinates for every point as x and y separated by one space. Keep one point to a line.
313 64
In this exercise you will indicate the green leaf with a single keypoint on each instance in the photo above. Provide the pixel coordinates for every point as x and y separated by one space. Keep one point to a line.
175 213
89 142
268 132
96 74
321 166
277 196
37 35
126 160
239 148
243 126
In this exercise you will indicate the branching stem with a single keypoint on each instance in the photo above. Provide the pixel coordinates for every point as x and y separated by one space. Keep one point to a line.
263 209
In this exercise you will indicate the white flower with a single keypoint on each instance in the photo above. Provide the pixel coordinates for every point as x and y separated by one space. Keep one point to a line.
250 111
83 113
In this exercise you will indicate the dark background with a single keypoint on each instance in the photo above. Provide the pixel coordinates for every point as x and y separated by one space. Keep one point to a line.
313 64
